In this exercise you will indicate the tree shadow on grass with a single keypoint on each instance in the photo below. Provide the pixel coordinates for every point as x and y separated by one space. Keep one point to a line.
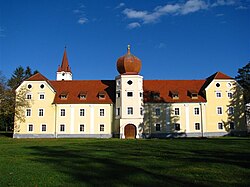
92 169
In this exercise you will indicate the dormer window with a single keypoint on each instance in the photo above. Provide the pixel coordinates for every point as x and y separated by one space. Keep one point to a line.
155 95
101 95
174 94
82 95
64 95
193 94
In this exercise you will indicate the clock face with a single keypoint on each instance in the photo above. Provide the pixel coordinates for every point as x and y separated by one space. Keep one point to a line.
130 82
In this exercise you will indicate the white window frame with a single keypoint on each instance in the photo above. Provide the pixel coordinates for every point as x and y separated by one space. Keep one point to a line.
199 125
178 111
100 128
230 110
64 128
217 110
218 94
141 111
118 111
43 112
42 127
28 127
228 95
218 126
61 112
80 128
102 112
130 95
40 96
26 112
196 112
82 112
29 94
130 111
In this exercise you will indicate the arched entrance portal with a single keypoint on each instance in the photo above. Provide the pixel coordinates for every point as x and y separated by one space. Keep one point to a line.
130 131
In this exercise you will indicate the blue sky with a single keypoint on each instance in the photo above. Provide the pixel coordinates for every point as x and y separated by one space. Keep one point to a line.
177 39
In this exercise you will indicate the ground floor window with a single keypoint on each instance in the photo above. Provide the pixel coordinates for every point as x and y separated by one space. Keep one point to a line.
81 128
220 126
177 126
62 128
101 127
231 125
44 128
158 127
30 128
197 126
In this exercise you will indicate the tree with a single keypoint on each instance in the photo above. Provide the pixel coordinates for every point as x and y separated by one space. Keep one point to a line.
243 78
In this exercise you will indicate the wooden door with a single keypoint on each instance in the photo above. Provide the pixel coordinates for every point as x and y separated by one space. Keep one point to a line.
130 131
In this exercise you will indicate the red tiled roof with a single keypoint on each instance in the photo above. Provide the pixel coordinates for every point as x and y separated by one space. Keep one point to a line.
65 63
37 77
219 75
165 87
91 87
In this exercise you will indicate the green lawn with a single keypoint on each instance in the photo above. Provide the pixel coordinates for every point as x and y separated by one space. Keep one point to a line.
114 162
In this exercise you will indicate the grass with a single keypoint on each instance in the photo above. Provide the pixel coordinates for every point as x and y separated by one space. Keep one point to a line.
114 162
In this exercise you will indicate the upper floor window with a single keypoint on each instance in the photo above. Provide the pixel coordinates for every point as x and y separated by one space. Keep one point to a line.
218 94
157 111
40 112
177 111
141 94
28 112
118 94
130 110
219 110
41 96
141 111
130 94
118 111
230 110
29 96
82 112
196 111
157 127
197 126
63 112
101 112
230 95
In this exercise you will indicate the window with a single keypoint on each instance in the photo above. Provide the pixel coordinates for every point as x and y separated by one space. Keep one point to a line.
63 113
118 94
141 111
157 111
81 128
40 112
177 111
230 95
28 112
230 110
101 95
101 112
29 86
157 127
130 94
197 126
43 128
218 94
231 125
62 128
30 128
130 82
220 126
41 96
82 95
196 111
219 110
118 111
28 96
42 86
177 126
101 127
141 94
64 95
217 84
82 112
130 110
174 94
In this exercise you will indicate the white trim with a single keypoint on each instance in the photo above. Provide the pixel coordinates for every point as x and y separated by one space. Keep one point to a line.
41 93
218 92
29 93
195 126
92 119
30 112
61 112
100 112
179 111
60 128
218 126
39 112
41 129
187 118
199 111
221 110
72 119
79 128
32 127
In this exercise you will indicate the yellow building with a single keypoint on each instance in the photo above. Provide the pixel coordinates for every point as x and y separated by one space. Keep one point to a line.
130 107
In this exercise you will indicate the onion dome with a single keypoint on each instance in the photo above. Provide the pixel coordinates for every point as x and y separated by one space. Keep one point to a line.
128 64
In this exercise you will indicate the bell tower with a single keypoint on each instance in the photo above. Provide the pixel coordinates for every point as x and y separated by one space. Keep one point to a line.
129 96
64 71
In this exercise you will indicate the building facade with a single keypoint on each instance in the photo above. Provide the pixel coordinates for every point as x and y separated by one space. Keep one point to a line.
129 107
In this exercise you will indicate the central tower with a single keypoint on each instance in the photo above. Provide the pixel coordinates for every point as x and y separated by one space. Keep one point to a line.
129 96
